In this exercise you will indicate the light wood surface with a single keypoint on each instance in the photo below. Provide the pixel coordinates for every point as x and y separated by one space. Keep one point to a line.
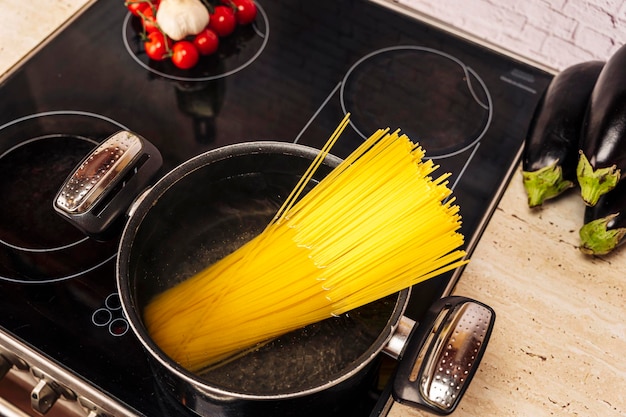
560 335
24 25
558 343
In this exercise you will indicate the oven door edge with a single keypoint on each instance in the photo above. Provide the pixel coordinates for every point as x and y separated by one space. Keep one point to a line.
51 385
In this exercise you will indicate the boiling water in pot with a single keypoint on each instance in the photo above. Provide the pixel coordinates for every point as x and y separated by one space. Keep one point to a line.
233 211
307 357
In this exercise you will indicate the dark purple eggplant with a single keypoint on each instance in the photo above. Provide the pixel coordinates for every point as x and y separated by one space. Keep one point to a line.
551 147
602 162
605 223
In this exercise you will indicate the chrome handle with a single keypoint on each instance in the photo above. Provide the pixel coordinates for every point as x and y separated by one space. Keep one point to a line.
398 341
443 356
98 171
104 184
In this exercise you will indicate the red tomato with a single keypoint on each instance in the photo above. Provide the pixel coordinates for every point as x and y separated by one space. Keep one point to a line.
184 55
245 11
156 46
148 20
136 6
206 42
222 21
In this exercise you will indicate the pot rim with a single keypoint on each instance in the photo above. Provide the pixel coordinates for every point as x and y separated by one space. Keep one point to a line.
138 212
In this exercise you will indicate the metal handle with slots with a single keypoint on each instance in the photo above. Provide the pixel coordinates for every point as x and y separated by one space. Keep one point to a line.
102 187
443 355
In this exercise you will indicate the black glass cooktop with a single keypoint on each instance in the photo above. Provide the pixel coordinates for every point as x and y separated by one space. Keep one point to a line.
290 77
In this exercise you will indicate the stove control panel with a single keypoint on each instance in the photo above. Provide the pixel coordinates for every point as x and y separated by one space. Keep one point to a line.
31 384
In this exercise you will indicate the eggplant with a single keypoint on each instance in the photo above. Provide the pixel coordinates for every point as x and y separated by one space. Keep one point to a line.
602 161
551 147
605 223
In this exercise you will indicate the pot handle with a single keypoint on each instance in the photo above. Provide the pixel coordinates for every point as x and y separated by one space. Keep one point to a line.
443 354
102 187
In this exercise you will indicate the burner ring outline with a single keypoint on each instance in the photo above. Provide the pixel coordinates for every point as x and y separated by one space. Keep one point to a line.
118 327
40 250
466 69
11 149
265 36
59 279
91 268
113 302
106 318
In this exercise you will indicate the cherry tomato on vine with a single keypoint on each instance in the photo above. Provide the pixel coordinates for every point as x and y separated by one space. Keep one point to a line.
148 20
245 11
223 21
206 42
136 6
156 46
184 55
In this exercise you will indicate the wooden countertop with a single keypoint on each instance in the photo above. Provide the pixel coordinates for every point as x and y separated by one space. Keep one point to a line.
556 349
560 331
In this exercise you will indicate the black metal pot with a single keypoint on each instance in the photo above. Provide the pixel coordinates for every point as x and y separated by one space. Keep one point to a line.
203 210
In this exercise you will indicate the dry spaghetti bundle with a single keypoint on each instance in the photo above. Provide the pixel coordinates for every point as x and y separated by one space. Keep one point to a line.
378 223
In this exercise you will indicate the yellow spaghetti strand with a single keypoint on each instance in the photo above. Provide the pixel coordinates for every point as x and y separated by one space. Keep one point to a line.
377 224
312 168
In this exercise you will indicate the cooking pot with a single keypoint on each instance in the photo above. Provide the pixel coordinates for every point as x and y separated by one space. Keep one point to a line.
206 208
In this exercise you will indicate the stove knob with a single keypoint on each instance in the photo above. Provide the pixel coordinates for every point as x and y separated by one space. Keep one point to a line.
47 392
43 397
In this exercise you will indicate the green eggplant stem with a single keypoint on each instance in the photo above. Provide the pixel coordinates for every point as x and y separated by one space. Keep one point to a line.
595 182
595 239
545 183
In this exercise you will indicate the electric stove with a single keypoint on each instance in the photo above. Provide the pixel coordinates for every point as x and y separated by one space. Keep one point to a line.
291 76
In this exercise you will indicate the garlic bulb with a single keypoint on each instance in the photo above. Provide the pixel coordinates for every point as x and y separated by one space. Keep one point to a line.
179 18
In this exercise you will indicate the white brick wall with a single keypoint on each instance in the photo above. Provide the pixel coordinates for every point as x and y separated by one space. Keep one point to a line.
556 33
